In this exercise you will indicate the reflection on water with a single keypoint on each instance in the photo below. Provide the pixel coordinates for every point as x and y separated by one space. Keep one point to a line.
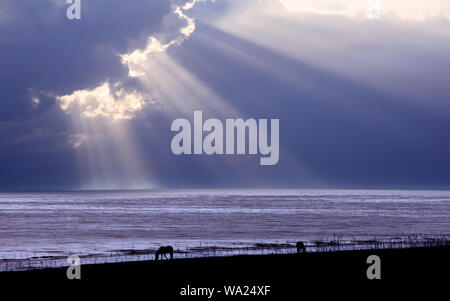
94 222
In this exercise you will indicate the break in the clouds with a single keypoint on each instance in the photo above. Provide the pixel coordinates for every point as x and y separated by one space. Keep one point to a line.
89 103
137 59
121 104
405 9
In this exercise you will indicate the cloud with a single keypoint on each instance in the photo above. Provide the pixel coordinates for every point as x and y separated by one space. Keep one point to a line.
45 52
119 104
78 139
395 56
35 101
103 101
135 60
414 10
138 57
330 77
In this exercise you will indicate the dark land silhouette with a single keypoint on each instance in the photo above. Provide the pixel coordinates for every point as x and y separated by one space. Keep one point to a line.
284 273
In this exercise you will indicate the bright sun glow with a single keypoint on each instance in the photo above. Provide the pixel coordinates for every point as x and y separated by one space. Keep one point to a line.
100 114
418 10
105 102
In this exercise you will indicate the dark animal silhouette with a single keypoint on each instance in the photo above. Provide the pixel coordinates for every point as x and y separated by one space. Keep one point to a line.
301 247
163 251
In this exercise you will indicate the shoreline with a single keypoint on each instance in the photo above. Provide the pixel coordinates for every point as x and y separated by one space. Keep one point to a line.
326 245
408 263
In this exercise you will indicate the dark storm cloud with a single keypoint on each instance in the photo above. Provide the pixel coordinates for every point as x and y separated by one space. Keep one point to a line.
42 50
336 130
42 53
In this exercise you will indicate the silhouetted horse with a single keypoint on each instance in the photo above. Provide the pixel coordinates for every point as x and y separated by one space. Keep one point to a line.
301 247
163 251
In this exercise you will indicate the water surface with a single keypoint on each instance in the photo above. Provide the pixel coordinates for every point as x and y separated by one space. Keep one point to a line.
97 222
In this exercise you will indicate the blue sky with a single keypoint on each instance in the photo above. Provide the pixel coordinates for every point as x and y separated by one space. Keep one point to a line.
361 89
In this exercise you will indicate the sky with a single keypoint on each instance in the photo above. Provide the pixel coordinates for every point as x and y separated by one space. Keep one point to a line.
361 89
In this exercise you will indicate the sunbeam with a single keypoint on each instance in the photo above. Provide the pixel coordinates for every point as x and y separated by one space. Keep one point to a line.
354 47
178 91
109 155
102 136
